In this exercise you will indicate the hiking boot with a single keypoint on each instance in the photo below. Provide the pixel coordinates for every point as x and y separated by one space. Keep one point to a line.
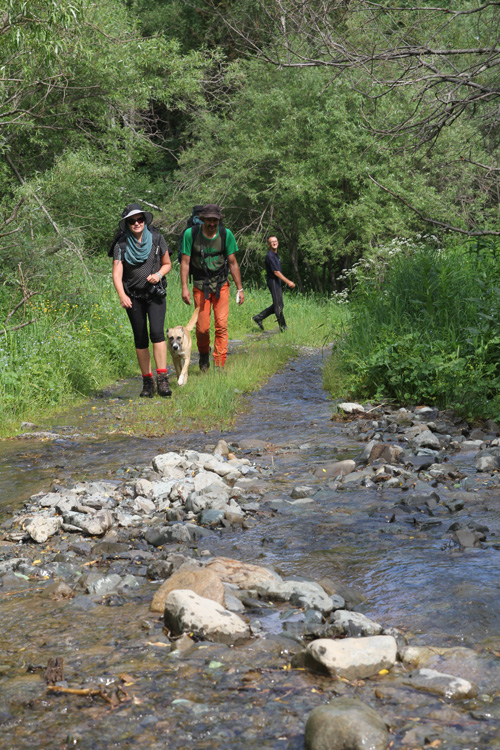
148 387
204 362
162 385
257 320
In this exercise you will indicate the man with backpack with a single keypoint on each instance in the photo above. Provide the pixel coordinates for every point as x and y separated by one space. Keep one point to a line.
208 257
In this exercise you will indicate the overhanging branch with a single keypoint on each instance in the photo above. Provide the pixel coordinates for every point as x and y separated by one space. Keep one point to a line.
435 222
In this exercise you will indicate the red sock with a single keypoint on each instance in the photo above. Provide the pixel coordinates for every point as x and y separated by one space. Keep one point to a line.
164 370
149 375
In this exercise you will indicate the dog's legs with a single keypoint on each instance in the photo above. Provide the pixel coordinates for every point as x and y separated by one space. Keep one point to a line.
182 379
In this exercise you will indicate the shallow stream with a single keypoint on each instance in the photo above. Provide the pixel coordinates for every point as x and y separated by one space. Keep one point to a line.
215 696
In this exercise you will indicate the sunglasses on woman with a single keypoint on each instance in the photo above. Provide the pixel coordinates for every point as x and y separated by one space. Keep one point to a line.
135 220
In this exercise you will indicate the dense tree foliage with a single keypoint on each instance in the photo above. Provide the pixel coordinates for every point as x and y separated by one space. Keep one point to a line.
446 55
121 100
291 156
80 111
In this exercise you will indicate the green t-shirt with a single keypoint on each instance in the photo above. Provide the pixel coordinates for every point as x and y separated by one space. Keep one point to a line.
211 252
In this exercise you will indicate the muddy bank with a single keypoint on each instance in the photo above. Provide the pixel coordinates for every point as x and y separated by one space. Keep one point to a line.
381 532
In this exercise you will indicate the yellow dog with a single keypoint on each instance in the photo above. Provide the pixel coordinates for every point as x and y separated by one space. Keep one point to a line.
179 345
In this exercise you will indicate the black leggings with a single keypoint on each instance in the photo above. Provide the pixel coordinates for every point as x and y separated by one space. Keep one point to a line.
138 314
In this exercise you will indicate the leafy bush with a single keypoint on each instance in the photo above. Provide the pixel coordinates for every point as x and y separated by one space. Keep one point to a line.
424 327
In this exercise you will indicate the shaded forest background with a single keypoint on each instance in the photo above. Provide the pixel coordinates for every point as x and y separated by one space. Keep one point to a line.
335 125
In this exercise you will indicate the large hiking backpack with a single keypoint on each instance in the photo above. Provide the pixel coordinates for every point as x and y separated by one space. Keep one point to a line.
193 220
221 275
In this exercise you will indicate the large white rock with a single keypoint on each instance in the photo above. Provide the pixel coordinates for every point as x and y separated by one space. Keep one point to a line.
185 611
205 479
350 407
163 487
487 462
42 528
166 461
222 468
353 658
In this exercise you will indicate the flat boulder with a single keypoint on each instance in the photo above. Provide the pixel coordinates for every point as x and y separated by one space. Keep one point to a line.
243 575
252 444
186 612
301 491
440 683
222 468
99 585
177 533
352 658
345 724
202 581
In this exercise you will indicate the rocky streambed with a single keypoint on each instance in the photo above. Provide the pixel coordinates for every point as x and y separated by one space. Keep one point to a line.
336 589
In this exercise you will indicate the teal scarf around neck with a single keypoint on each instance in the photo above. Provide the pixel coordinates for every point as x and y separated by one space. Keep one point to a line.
137 252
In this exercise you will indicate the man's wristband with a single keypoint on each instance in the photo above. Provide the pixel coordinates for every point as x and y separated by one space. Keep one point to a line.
239 290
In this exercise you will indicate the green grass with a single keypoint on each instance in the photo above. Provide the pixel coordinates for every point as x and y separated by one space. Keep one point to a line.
81 341
210 399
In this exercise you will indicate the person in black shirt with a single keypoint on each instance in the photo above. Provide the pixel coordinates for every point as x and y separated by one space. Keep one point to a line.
140 261
274 277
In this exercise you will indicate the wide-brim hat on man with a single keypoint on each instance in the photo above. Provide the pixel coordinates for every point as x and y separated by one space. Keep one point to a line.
211 211
132 210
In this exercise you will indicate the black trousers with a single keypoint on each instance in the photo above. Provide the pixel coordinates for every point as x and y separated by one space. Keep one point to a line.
142 310
274 286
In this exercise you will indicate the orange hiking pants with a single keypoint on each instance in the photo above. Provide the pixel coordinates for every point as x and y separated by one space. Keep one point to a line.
221 313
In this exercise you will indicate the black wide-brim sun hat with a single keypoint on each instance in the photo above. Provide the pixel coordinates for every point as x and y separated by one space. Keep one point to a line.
132 210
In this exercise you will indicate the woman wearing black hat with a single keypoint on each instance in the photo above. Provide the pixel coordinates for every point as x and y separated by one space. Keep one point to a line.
140 262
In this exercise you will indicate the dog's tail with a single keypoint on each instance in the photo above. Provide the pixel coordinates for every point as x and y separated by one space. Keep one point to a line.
194 318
